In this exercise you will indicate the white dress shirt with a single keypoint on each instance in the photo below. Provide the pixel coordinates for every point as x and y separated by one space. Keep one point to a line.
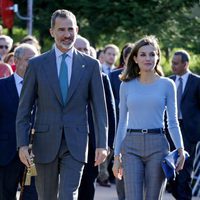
18 83
107 68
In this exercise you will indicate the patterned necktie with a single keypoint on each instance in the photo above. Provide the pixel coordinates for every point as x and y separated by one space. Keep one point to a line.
63 78
179 96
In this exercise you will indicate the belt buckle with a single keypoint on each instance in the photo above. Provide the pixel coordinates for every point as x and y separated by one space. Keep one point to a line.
144 130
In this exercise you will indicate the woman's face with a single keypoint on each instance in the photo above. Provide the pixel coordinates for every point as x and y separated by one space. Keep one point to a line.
146 58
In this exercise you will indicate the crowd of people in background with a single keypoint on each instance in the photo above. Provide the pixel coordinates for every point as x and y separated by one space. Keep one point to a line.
114 123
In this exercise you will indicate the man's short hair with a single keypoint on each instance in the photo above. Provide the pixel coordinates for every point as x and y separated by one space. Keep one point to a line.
63 14
185 57
20 50
79 37
33 39
113 46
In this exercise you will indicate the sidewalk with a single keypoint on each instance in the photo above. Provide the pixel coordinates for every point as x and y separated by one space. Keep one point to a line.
104 193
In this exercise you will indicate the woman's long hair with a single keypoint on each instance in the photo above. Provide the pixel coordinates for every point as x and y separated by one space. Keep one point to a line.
132 70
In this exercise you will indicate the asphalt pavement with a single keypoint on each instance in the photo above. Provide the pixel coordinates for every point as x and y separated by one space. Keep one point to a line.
105 193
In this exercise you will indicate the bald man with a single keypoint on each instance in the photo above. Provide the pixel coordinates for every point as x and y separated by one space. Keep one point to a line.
11 168
90 172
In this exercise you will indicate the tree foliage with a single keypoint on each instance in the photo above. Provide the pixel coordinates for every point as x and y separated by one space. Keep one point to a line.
119 21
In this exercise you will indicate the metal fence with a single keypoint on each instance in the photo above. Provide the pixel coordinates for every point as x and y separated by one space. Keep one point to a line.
196 173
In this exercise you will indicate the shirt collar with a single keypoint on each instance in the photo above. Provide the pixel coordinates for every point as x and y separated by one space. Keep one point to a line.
106 66
18 79
184 76
59 53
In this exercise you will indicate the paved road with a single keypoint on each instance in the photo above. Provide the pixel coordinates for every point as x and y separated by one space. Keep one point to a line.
104 193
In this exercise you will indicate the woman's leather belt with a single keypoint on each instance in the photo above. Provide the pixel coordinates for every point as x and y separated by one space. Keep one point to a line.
155 130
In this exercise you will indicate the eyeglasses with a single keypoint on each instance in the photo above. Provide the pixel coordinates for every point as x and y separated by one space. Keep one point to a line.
3 46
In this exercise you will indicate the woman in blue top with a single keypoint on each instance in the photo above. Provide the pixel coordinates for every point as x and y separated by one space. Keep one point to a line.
140 143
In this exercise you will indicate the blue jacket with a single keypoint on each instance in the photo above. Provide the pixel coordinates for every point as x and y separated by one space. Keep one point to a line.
8 111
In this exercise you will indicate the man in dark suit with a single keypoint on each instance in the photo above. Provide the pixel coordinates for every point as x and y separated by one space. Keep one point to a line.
90 172
11 169
111 52
188 103
115 83
62 82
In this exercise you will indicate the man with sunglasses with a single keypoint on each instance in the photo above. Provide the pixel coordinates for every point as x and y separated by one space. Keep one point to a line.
6 43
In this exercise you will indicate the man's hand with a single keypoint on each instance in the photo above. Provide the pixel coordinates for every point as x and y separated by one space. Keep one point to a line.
24 156
100 156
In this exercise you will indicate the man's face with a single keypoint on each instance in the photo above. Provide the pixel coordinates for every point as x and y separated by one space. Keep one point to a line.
82 46
110 56
22 63
64 33
178 67
4 45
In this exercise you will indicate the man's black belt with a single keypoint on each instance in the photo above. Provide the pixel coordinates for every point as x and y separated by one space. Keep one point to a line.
155 130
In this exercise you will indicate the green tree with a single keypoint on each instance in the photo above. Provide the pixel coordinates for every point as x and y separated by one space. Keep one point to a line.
175 23
103 21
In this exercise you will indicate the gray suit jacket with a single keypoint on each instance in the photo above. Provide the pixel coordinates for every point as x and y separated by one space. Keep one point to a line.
41 85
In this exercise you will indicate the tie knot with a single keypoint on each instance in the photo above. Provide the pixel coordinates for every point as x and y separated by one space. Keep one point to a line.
180 79
21 82
64 55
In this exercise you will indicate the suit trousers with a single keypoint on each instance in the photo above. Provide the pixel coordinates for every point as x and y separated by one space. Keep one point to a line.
142 154
181 188
9 179
30 192
120 188
59 179
88 181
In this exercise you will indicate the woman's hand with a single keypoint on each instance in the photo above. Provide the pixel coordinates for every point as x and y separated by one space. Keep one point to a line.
181 160
117 167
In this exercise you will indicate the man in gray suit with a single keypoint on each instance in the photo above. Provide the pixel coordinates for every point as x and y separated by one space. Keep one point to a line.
61 82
